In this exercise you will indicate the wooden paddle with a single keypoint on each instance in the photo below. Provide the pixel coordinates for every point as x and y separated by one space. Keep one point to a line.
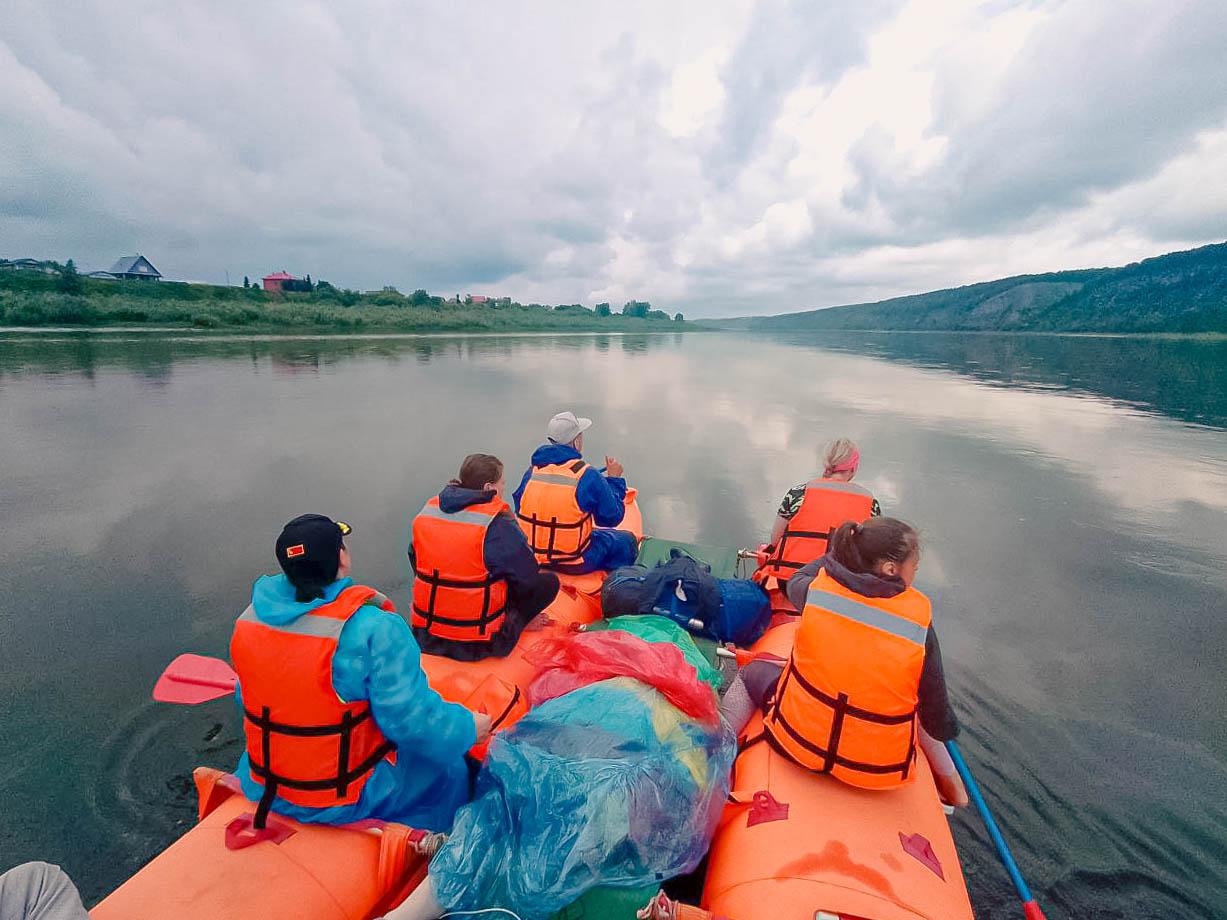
191 679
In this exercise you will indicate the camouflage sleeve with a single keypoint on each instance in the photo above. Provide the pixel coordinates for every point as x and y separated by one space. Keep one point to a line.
792 502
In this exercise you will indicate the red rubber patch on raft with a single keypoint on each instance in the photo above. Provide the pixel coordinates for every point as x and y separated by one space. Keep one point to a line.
241 832
918 847
766 809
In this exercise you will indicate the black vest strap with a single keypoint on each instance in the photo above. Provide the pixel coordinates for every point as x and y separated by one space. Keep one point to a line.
436 581
341 781
841 710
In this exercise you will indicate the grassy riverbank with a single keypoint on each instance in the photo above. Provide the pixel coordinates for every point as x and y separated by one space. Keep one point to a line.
40 300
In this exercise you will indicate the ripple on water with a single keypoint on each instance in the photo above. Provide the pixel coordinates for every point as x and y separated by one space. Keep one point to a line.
1054 784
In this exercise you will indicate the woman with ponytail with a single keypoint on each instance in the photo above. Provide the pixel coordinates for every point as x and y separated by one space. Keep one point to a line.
811 511
864 688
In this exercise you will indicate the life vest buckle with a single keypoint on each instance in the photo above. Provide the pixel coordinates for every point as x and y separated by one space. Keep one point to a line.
242 832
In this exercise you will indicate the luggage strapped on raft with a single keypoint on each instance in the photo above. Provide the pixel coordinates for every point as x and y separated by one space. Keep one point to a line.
568 477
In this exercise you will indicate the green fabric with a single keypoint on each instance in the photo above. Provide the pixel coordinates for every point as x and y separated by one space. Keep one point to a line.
608 904
699 652
722 560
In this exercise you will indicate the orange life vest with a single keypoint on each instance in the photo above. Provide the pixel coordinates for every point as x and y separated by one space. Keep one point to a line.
846 703
454 594
558 530
304 743
827 504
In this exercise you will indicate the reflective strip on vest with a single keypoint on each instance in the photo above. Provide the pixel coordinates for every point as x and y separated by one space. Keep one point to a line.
464 516
554 479
867 615
306 625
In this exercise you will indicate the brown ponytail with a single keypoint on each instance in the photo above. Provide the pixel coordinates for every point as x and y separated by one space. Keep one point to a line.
477 470
863 547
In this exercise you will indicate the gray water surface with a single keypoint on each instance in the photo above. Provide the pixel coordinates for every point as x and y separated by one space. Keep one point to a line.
1072 495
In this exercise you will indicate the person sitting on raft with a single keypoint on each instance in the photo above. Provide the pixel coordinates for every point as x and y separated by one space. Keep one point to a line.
340 723
477 582
865 666
563 504
811 511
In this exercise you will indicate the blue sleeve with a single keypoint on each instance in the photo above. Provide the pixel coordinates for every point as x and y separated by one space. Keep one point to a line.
603 496
507 553
519 492
378 659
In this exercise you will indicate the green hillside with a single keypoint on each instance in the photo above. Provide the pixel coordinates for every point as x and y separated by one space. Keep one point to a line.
1178 292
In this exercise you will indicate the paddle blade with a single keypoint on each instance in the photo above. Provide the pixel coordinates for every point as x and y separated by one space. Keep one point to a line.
191 679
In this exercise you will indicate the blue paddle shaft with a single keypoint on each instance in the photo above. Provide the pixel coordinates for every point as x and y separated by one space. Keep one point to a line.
1003 850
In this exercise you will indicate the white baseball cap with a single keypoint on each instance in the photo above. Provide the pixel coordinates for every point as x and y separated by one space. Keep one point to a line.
565 427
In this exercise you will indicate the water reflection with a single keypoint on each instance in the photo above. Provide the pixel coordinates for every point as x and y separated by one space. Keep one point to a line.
1181 378
1073 547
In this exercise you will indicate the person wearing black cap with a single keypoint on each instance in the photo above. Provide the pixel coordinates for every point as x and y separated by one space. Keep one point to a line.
340 722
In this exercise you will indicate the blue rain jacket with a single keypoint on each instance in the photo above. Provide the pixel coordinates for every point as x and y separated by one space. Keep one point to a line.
377 659
604 497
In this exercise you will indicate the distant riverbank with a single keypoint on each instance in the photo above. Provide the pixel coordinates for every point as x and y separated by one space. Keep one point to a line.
42 301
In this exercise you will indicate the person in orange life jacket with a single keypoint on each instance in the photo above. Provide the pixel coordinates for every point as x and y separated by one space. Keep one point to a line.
566 507
315 651
811 511
866 648
478 583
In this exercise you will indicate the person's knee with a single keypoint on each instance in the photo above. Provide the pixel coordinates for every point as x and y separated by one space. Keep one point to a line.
39 889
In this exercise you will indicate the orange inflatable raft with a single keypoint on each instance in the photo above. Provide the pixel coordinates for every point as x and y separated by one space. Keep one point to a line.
794 845
316 872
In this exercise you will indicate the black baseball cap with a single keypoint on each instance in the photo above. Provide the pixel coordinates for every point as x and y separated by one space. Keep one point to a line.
309 549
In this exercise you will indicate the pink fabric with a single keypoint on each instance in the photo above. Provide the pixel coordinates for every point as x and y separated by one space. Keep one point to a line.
849 465
574 661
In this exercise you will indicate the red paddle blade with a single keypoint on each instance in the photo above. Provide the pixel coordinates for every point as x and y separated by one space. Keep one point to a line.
191 679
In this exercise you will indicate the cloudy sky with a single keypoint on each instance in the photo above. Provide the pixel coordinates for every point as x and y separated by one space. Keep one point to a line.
719 157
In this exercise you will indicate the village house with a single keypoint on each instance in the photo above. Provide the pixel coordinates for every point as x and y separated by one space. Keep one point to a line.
137 267
29 265
276 280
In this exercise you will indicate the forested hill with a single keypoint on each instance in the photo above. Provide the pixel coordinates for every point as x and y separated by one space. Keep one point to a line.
1178 292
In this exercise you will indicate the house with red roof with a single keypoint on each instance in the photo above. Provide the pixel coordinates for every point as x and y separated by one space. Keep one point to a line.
275 281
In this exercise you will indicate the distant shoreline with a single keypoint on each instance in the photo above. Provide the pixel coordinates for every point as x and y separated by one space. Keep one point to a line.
786 330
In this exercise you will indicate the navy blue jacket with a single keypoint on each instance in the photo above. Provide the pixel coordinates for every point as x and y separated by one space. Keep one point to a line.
604 497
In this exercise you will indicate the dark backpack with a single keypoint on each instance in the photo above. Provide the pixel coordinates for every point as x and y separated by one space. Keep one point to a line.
684 590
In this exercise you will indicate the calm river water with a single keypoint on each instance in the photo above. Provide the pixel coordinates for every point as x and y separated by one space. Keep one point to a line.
1072 495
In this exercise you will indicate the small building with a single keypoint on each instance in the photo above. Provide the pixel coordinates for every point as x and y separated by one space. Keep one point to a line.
276 281
30 265
135 267
478 298
101 276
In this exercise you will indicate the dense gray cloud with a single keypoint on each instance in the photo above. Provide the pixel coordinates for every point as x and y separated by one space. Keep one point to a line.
715 157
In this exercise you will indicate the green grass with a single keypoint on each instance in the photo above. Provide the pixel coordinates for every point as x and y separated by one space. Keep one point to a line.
35 300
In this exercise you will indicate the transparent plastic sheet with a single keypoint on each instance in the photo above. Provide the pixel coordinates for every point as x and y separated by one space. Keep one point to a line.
584 658
607 785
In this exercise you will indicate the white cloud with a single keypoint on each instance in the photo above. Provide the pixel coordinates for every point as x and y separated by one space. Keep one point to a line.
718 157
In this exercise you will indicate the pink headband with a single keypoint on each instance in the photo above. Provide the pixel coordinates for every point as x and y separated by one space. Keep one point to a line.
848 466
